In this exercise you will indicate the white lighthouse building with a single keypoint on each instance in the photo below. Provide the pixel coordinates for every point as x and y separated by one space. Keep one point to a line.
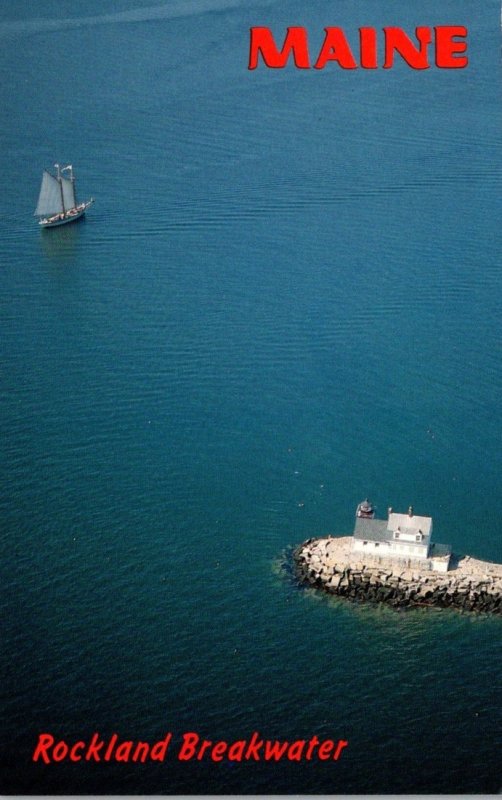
406 537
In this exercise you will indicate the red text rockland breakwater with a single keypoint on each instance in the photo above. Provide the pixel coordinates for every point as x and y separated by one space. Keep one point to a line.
441 46
193 747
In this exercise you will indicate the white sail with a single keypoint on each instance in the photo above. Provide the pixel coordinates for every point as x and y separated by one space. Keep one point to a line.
68 193
50 200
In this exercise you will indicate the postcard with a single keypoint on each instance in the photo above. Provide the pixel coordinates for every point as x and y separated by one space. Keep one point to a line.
250 330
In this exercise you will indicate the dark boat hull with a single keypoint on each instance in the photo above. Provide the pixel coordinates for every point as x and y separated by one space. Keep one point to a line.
71 216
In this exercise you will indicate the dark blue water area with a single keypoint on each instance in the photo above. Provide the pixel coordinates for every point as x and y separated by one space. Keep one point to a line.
285 298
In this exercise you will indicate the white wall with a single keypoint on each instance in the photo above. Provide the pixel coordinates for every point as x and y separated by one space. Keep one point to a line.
387 550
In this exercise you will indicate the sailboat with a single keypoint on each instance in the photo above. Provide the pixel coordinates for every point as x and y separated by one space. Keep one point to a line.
57 203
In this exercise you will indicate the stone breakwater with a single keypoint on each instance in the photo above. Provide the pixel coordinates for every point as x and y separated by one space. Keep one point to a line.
330 564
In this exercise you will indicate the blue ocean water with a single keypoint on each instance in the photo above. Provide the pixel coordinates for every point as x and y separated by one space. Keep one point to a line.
285 298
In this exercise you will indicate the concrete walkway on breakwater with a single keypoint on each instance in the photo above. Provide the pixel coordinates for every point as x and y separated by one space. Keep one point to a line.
330 564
